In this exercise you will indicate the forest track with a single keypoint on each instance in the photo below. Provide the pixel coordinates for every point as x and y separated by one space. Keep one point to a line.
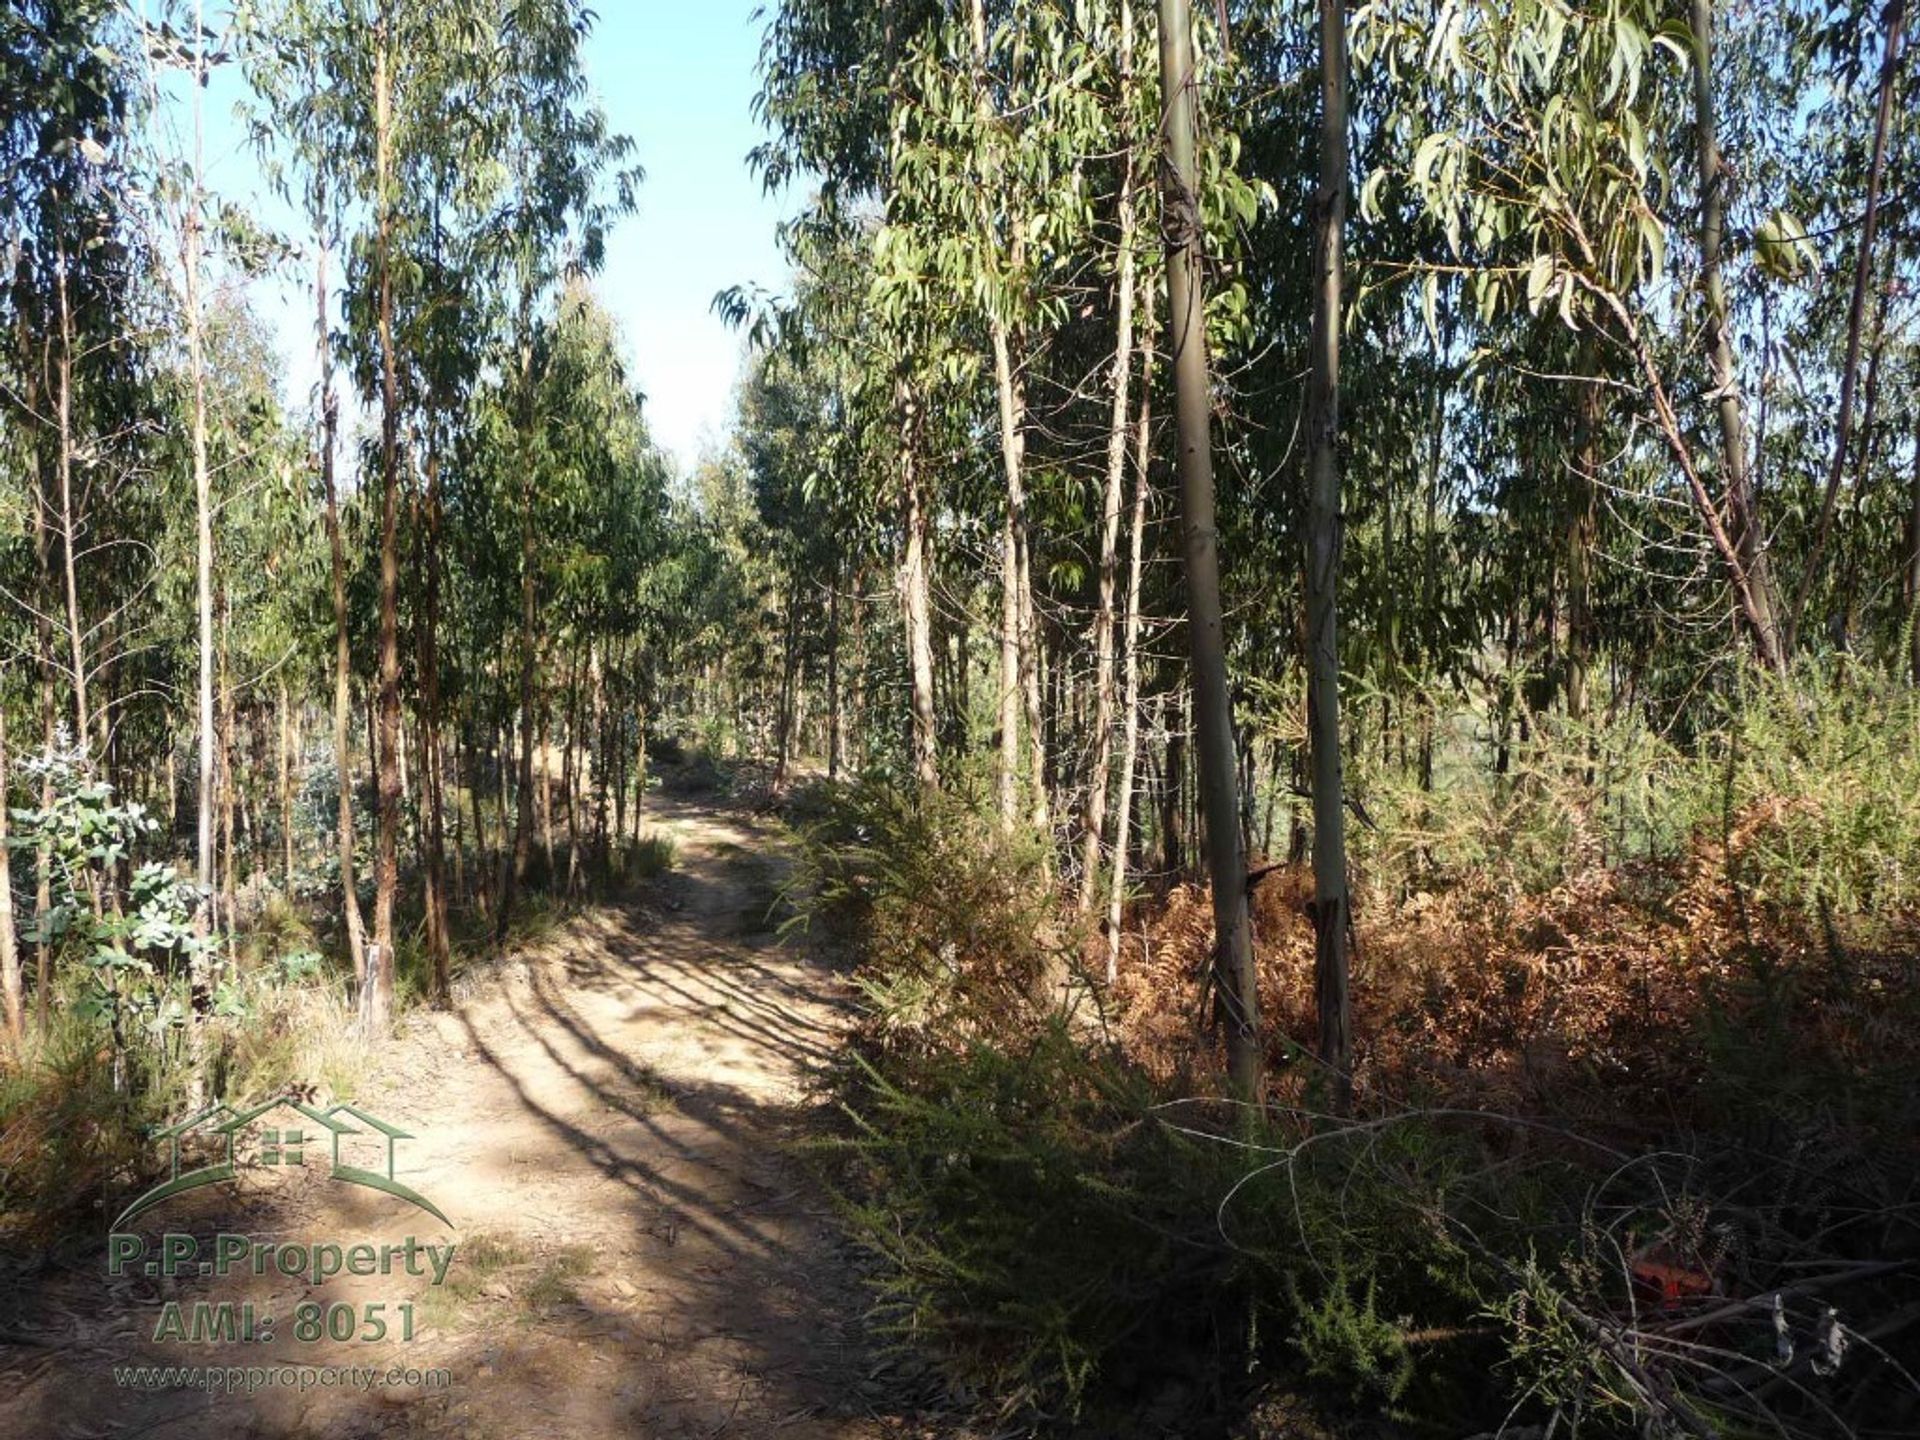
608 1120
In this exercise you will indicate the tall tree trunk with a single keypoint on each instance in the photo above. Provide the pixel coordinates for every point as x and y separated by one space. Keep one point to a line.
285 716
1007 767
514 868
1235 977
1330 907
1130 744
466 770
377 1002
1013 621
639 768
224 787
1896 17
570 771
544 755
602 757
503 757
342 644
1865 454
836 708
1093 819
1584 480
1032 681
63 468
1752 574
432 763
1173 787
784 739
1913 563
50 735
12 988
916 599
200 980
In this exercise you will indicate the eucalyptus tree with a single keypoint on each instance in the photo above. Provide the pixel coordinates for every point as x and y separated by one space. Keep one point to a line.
791 433
71 103
603 502
13 1002
297 52
955 249
1538 151
833 75
1331 918
569 178
1236 981
1131 111
1892 51
180 39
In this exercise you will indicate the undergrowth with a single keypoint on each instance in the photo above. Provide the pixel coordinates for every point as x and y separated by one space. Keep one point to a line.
1635 1150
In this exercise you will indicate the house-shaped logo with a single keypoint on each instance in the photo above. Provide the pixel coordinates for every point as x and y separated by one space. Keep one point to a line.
282 1144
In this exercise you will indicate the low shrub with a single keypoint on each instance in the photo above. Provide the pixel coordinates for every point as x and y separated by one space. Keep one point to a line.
648 857
954 922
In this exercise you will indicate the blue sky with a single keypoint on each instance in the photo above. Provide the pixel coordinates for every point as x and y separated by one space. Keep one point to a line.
679 78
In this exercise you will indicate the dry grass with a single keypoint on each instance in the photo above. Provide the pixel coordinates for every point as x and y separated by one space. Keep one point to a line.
1594 995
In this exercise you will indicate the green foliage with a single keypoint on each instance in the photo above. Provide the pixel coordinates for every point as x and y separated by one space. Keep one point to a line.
134 937
1821 780
1346 1342
649 857
73 1131
953 916
1812 789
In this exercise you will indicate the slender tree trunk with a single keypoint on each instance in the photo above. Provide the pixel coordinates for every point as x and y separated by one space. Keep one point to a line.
1584 477
1236 979
570 772
466 765
1130 744
432 764
784 739
639 768
342 644
1093 819
1331 916
50 735
916 600
407 766
1896 16
514 871
377 1004
1865 454
12 987
1007 769
1913 562
543 753
200 979
602 757
1173 788
1032 682
224 788
836 708
1012 461
1752 574
285 716
63 469
503 757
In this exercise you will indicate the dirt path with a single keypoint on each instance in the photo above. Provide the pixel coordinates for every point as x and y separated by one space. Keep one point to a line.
607 1125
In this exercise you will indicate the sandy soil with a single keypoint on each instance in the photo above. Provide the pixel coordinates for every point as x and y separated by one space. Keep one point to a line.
608 1121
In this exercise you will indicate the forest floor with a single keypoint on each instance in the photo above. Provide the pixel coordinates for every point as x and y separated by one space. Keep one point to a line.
609 1119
